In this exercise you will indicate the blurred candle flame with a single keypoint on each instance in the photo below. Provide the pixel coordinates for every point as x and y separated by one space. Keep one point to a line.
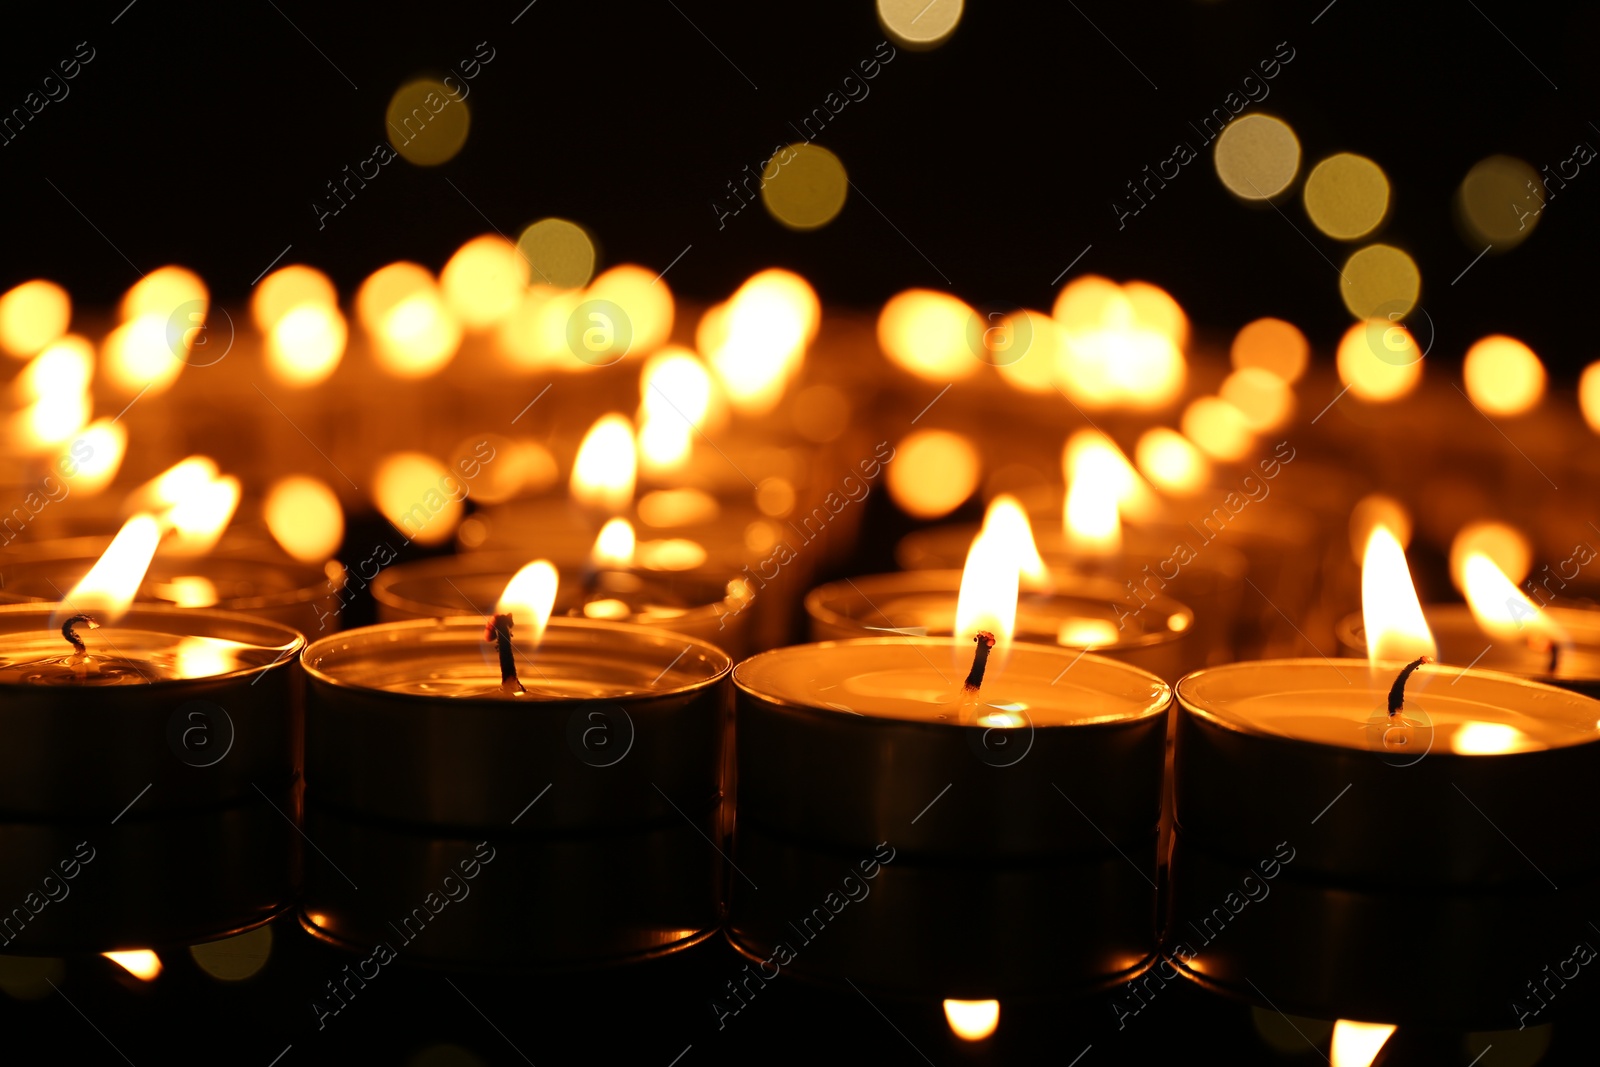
605 471
925 332
139 962
613 549
1501 609
304 517
1172 462
107 591
760 336
1392 615
1092 453
1357 1044
972 1020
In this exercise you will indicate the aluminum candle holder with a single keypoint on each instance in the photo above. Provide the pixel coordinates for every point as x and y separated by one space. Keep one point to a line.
601 783
1088 613
850 759
1413 861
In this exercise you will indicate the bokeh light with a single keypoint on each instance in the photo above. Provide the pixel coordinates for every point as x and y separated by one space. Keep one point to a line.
919 24
286 289
305 345
925 332
484 281
1374 510
1272 345
304 517
419 496
559 253
1379 360
1155 309
1503 376
644 297
426 122
96 455
1346 196
933 473
163 291
1263 398
806 192
135 355
1257 156
32 315
233 959
1504 545
1379 281
1589 395
1499 202
386 287
1218 429
1171 462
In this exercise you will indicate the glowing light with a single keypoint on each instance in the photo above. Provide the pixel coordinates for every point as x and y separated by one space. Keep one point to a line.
919 25
1503 376
188 591
762 335
604 474
670 554
674 398
933 473
65 366
775 496
163 292
1347 196
1257 156
677 507
972 1020
1379 361
197 519
988 596
32 315
1589 395
1372 511
1090 453
1272 345
1501 609
1089 517
1108 355
427 122
288 288
1379 281
1218 429
417 336
1264 399
96 455
108 589
1026 350
1357 1044
304 517
528 598
305 344
1155 309
484 281
166 489
419 495
613 549
1087 633
1504 545
1390 611
559 253
139 962
135 356
644 297
803 186
1007 520
1500 201
233 959
925 332
535 334
1488 739
386 287
1171 462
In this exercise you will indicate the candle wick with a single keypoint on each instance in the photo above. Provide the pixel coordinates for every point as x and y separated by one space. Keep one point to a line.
70 632
1545 643
980 660
1397 692
497 631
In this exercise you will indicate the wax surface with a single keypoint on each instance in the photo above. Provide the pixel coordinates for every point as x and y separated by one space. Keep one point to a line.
920 680
450 658
120 656
1341 702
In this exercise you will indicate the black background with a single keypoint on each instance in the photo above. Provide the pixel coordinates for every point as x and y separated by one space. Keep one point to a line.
202 134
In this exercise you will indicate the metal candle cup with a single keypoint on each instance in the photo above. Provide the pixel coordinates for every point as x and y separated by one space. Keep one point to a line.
847 747
694 603
1462 816
183 708
1086 613
251 578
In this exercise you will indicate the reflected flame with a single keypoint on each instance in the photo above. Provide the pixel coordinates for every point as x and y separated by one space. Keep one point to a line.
1357 1044
670 554
304 516
139 962
1489 739
972 1020
1500 607
1390 611
187 591
613 549
1007 521
606 469
111 584
205 657
988 596
1171 462
1092 453
1087 633
528 598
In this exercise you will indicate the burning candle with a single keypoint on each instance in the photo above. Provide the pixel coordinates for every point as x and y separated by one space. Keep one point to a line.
591 751
1367 782
963 768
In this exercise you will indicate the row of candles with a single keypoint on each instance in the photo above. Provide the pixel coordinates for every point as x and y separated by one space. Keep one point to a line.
626 646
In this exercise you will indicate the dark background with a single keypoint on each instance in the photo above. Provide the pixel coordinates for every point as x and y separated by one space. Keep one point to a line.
201 134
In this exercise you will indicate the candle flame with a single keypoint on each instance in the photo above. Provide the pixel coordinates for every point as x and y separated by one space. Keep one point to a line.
1091 518
988 596
613 549
644 297
1372 511
1357 1044
674 399
484 281
972 1020
1502 611
1007 520
760 338
32 315
139 962
97 454
528 598
1505 546
1092 452
304 516
925 332
1390 611
305 344
1121 345
108 589
1172 462
605 471
288 288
